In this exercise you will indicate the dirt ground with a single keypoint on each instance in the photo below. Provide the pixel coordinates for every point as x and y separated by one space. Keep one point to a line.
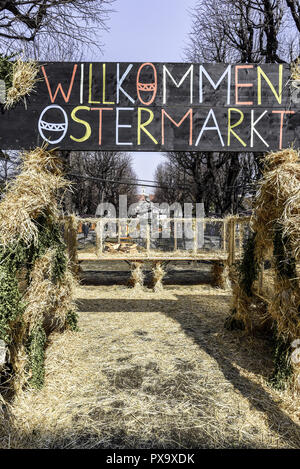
150 370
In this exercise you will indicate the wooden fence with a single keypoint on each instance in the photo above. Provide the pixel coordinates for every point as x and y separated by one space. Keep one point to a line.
231 229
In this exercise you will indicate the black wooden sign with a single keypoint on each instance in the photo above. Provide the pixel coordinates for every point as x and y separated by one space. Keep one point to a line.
157 107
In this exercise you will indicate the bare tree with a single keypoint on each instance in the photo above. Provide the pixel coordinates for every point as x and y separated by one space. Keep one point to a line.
49 30
100 177
173 184
294 6
221 181
245 31
53 22
235 31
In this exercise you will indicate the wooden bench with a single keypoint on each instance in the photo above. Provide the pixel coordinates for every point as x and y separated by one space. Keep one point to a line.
136 262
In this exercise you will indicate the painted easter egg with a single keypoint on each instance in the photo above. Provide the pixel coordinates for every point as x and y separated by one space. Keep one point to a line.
53 124
147 89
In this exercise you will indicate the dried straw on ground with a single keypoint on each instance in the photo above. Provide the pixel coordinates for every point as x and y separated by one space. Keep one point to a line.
23 82
171 378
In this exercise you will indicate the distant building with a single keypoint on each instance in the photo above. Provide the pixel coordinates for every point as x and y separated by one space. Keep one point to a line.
146 208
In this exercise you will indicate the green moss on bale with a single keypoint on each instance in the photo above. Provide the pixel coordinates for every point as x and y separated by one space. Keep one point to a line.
59 265
72 320
248 267
36 356
11 305
15 257
282 366
284 261
247 273
49 236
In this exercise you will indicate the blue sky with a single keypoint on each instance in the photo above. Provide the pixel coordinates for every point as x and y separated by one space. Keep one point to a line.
148 31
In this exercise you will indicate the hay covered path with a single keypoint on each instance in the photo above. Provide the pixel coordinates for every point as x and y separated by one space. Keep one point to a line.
150 370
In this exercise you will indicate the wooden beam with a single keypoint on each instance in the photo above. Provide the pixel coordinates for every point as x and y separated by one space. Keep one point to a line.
99 238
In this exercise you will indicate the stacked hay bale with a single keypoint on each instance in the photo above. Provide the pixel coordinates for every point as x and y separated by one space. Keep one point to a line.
36 282
20 79
243 275
157 277
276 234
220 275
137 275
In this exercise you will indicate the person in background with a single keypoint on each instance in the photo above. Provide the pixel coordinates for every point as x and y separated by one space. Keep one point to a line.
85 230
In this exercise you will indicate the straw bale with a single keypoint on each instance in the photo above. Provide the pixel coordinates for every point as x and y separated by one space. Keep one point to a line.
278 201
295 70
158 275
284 308
23 82
31 194
220 275
137 275
44 270
48 302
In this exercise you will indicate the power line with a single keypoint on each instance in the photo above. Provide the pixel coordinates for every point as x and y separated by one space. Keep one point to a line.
125 182
129 183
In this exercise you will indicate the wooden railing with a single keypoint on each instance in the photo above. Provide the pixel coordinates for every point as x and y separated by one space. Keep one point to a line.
231 239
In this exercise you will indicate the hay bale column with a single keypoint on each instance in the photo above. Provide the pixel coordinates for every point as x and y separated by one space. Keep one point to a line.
276 235
36 281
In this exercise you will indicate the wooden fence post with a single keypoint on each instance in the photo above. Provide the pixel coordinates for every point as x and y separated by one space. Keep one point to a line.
148 238
175 235
224 234
231 256
99 237
119 231
70 237
195 229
